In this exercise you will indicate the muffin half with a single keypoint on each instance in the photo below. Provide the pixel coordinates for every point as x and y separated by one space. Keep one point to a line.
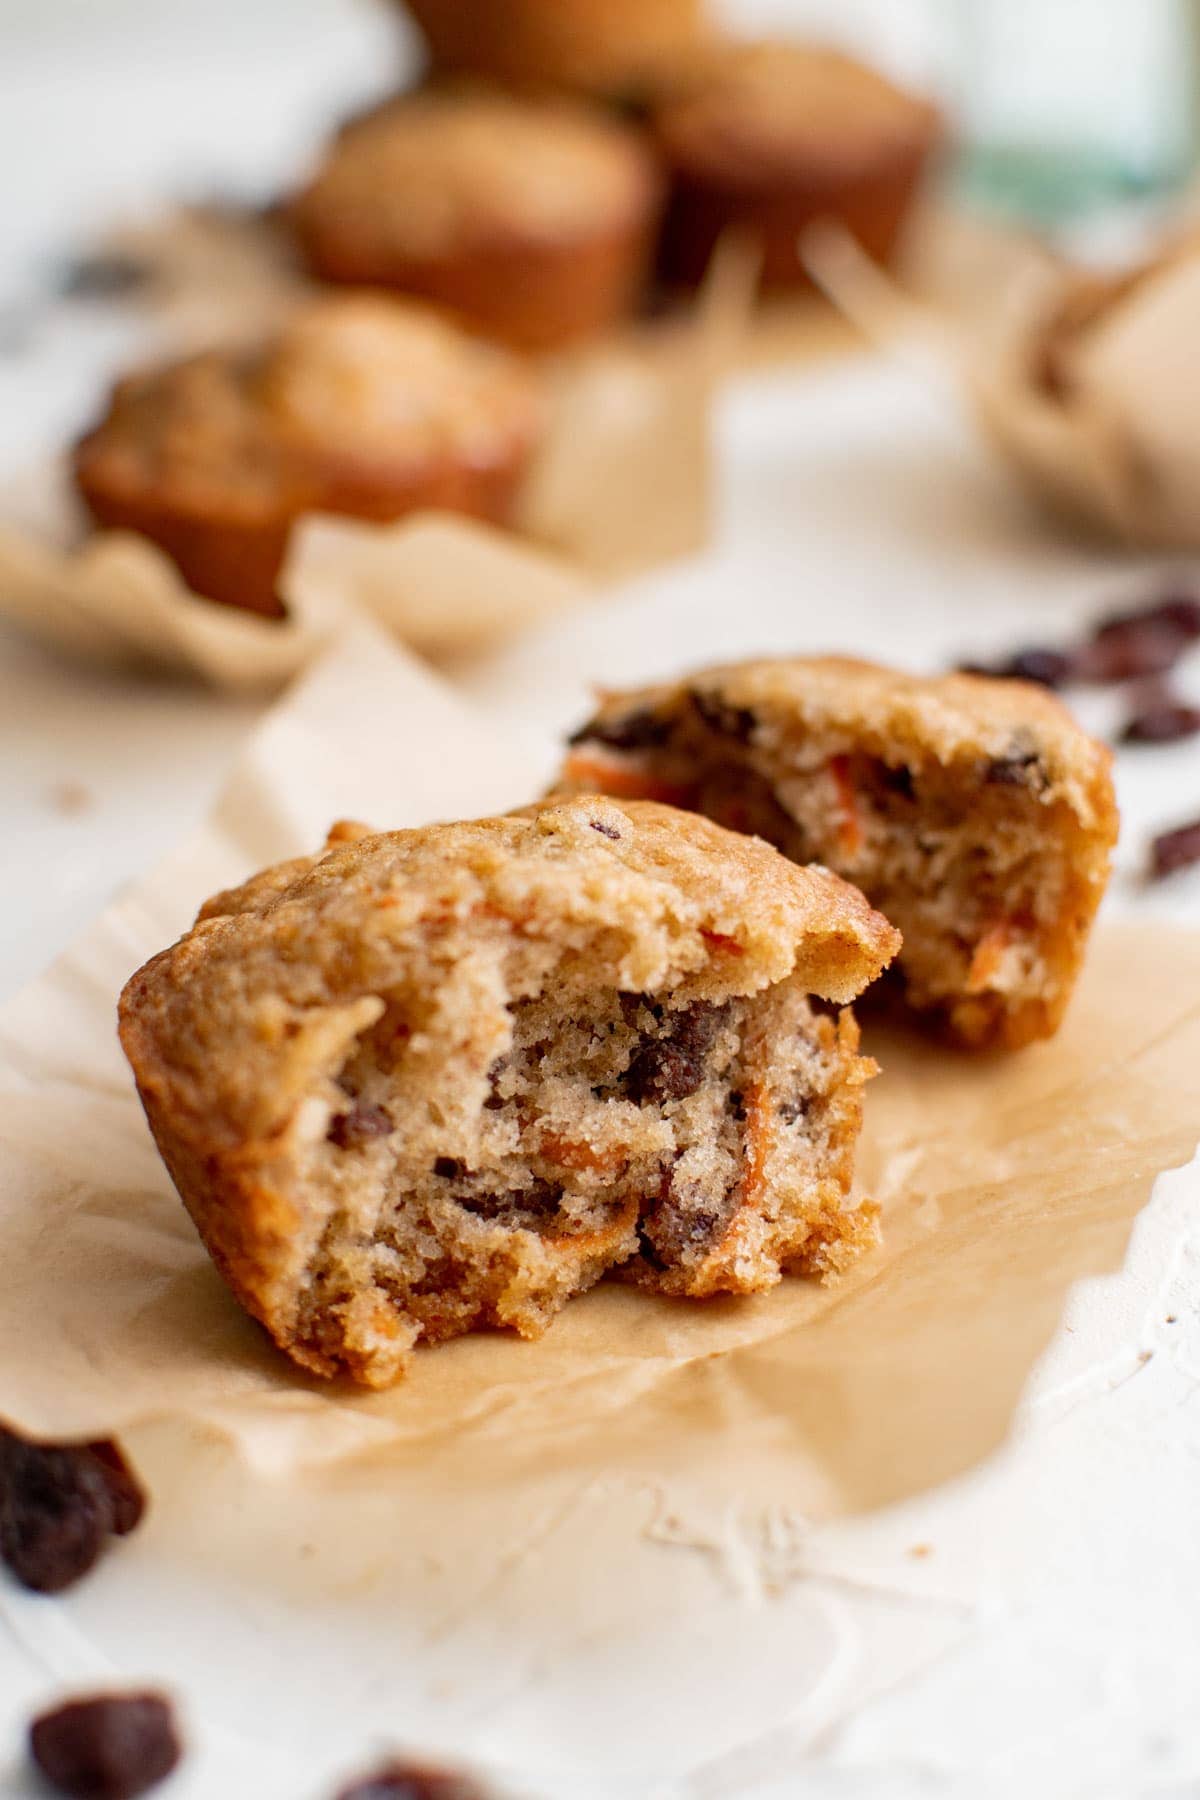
975 814
363 406
440 1079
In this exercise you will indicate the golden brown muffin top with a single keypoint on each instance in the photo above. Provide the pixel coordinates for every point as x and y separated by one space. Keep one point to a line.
358 379
659 898
912 719
455 169
759 111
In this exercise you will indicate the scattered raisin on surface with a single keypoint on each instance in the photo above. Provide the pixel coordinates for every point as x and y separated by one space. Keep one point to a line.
59 1504
110 1747
363 1122
1160 717
413 1781
1174 850
738 722
640 730
605 830
1129 648
671 1067
1048 668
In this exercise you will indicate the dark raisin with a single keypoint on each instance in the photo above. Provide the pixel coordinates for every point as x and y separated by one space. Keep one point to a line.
413 1781
672 1228
727 721
350 1130
1174 850
1128 646
540 1200
59 1504
671 1067
789 1111
1160 718
112 1747
898 780
126 1491
735 1104
448 1167
1048 668
605 830
1021 768
1182 611
640 730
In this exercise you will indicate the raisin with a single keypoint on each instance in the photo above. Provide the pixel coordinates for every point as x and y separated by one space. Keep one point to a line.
1129 645
127 1493
1048 668
111 1747
608 831
350 1130
640 730
789 1111
897 780
1175 850
59 1504
413 1781
1161 718
538 1201
671 1228
672 1066
1181 611
1022 768
727 721
448 1167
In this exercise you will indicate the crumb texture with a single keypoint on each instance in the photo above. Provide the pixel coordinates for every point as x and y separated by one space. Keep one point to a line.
441 1079
974 814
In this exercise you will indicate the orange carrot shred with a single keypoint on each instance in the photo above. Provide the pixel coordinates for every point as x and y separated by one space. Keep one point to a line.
850 834
623 782
989 952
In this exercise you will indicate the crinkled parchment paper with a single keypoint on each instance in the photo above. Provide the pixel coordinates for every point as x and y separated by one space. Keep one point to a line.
1121 452
1002 1181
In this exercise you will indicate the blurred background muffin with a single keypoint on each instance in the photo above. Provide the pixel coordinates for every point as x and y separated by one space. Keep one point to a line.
533 220
767 138
599 46
359 405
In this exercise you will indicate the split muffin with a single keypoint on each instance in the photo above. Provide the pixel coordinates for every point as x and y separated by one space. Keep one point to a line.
534 221
440 1079
768 138
594 46
360 405
974 813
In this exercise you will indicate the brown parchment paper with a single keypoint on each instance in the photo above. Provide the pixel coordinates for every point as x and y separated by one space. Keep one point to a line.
622 482
1002 1180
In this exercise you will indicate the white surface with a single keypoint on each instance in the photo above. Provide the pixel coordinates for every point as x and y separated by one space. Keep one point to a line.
1050 1642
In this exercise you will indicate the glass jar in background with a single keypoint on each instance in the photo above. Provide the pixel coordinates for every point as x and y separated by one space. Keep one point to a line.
1068 107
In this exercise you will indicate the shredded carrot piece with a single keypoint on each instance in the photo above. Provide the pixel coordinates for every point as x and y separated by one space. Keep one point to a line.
623 782
758 1138
717 940
989 952
569 1153
850 834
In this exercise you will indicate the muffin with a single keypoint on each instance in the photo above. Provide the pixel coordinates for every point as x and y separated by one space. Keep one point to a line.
770 137
596 46
534 221
975 814
435 1080
364 406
